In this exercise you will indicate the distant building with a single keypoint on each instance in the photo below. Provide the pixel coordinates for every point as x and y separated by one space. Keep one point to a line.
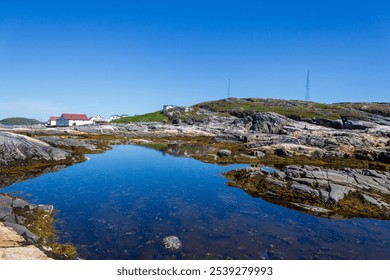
115 117
74 120
167 107
98 119
52 121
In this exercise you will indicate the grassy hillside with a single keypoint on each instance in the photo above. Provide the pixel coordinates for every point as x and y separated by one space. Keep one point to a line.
19 121
150 117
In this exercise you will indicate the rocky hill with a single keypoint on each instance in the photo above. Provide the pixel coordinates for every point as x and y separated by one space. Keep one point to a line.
19 121
338 115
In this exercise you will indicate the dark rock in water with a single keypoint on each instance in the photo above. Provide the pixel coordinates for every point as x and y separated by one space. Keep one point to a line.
172 242
224 152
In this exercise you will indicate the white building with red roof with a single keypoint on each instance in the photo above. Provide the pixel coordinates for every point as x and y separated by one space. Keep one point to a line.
73 120
52 121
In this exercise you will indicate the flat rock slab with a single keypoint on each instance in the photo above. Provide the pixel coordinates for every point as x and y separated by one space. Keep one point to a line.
22 230
9 237
20 203
22 253
5 201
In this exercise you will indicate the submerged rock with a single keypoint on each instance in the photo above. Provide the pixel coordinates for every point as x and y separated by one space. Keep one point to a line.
172 242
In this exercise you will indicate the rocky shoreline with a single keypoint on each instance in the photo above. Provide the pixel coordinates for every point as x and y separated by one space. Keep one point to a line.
327 167
339 193
26 231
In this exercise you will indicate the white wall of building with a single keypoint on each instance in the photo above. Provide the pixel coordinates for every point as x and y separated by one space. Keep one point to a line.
64 122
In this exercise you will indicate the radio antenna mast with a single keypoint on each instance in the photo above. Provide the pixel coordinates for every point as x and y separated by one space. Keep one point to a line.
307 97
228 91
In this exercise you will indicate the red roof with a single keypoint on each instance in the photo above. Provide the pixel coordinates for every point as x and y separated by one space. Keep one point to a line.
53 118
81 117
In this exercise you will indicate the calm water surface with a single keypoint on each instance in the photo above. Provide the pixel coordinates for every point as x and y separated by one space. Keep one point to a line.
121 204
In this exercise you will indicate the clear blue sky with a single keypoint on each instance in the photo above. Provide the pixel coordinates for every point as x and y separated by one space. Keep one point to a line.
114 57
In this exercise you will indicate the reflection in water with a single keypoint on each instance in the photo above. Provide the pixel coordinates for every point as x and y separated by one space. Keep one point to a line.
121 204
183 149
9 178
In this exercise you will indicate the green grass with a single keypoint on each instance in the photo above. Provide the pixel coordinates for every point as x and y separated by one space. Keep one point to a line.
157 116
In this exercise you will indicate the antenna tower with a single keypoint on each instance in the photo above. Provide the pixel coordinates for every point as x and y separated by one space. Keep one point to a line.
228 92
307 97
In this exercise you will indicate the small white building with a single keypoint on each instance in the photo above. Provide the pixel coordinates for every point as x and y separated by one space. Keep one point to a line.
113 117
52 121
74 120
98 119
167 107
116 117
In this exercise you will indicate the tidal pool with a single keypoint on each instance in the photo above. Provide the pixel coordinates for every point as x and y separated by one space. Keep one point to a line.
121 204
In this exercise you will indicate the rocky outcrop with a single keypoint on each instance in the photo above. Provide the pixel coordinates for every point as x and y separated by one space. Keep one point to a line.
16 148
336 192
16 240
12 246
261 122
10 215
68 142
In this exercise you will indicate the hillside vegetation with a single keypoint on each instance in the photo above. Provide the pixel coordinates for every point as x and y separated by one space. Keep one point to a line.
297 109
157 116
19 121
294 109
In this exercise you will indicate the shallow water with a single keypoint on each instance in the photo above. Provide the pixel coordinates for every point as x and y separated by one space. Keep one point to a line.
121 204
